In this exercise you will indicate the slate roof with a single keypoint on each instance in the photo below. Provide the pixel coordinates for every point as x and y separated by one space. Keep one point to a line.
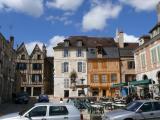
88 42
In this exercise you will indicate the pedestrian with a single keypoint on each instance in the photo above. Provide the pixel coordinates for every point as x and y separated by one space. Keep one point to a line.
61 100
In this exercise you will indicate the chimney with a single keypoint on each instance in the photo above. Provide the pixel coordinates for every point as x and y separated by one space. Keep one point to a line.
44 50
120 38
11 41
158 12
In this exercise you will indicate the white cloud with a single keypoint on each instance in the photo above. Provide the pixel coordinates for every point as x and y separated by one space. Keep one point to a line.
70 5
96 18
30 46
130 38
63 19
52 43
30 7
141 5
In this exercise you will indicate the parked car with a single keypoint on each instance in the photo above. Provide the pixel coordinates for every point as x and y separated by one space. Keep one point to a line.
21 98
43 98
46 111
137 110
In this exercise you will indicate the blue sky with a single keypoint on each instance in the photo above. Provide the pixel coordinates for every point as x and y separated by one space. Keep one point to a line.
50 21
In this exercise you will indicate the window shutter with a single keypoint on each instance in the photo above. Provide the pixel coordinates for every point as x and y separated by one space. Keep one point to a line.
62 67
63 53
158 50
84 67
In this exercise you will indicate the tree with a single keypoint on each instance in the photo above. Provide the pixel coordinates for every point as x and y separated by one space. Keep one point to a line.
73 77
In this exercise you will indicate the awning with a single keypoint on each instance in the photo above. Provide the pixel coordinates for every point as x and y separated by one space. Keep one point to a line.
140 82
118 85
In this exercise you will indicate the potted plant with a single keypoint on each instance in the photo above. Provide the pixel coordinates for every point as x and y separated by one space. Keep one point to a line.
73 77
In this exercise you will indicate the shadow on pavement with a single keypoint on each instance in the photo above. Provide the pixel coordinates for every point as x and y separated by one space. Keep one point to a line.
7 108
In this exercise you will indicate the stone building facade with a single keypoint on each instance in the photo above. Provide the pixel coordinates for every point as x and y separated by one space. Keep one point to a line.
33 71
7 68
127 63
70 65
147 60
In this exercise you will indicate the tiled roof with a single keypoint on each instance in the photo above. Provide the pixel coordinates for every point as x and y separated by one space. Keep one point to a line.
89 41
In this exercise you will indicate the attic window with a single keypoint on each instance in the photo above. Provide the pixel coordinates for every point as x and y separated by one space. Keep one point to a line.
23 57
99 50
92 51
66 43
38 57
79 43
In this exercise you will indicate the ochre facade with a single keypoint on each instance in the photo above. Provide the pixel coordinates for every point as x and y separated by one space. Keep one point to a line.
103 68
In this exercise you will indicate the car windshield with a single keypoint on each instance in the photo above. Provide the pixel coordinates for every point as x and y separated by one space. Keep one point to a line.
25 110
133 106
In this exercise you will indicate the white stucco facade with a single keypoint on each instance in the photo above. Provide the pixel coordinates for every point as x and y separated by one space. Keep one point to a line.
60 77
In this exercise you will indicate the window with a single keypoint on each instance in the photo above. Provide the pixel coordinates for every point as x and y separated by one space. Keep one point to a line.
24 78
156 105
143 60
95 78
65 67
113 76
66 53
37 66
158 51
104 79
38 57
66 83
66 43
146 107
153 55
38 111
79 43
79 52
21 66
131 65
22 57
36 78
58 110
79 66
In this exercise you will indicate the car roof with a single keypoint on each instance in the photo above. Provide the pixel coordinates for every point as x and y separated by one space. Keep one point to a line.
51 103
151 100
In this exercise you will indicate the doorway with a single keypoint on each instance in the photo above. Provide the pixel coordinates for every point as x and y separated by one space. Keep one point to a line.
66 93
104 93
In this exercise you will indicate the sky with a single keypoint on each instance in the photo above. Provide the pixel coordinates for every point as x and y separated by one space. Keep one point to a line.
51 21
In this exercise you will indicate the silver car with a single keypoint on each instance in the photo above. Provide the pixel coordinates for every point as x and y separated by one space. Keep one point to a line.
137 110
46 111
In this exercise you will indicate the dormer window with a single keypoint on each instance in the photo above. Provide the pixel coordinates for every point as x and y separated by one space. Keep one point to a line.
99 50
23 57
79 43
65 52
38 57
66 43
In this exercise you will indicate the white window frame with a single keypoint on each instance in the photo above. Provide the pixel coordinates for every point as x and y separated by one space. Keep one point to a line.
151 49
145 62
95 78
102 78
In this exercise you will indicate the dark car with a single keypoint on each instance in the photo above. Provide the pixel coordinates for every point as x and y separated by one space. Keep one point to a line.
21 98
43 98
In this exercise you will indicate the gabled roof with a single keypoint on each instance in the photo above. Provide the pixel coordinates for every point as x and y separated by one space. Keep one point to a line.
22 48
36 49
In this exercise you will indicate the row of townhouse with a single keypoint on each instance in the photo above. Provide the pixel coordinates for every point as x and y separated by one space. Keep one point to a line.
36 70
7 71
147 61
93 66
